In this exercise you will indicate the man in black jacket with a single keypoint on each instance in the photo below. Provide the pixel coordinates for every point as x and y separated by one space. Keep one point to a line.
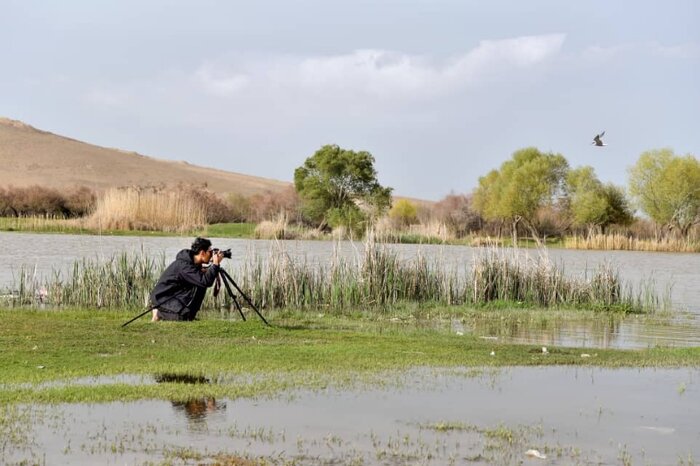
179 293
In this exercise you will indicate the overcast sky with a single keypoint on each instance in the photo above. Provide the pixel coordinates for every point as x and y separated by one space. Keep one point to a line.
440 92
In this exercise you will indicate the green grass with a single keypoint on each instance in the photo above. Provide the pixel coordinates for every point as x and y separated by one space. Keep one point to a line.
249 358
58 225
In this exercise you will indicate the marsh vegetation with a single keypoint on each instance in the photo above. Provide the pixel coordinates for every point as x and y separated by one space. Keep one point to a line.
376 278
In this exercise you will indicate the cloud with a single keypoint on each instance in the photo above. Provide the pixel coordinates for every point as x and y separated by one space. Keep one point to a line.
285 90
597 53
376 72
498 55
689 50
220 84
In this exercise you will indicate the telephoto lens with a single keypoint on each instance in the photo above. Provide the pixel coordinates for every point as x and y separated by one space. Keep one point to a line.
225 252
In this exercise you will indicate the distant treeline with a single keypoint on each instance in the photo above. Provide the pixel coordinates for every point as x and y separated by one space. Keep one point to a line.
41 201
82 201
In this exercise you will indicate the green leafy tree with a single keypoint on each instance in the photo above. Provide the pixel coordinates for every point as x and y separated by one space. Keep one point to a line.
523 185
667 189
592 204
339 187
619 210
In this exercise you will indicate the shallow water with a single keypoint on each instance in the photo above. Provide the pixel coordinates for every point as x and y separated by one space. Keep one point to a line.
679 273
458 416
631 332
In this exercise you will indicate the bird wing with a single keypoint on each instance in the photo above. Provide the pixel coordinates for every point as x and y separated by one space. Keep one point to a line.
601 134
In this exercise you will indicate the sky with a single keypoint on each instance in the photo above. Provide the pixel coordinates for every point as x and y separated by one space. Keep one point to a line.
440 92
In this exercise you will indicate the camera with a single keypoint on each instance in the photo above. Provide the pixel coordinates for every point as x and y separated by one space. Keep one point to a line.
225 252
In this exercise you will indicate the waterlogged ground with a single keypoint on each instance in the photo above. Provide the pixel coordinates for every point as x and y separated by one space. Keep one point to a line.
428 416
619 332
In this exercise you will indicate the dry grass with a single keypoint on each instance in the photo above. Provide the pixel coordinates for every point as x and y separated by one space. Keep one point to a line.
479 241
432 232
628 243
136 209
272 229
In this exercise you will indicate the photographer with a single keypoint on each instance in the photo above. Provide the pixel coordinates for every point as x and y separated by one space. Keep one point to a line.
179 293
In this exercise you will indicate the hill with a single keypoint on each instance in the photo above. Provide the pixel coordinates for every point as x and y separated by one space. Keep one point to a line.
29 156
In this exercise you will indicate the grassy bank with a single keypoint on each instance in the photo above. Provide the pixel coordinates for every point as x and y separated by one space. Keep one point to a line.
248 358
80 227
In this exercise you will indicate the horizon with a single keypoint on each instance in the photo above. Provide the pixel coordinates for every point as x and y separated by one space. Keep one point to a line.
439 92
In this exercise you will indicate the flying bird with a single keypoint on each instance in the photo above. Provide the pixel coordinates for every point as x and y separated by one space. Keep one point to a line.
597 141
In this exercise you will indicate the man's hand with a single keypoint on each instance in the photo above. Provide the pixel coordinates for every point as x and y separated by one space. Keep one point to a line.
218 257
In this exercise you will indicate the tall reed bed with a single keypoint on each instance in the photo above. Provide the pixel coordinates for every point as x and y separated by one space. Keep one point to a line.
433 232
375 278
143 209
40 223
628 243
123 281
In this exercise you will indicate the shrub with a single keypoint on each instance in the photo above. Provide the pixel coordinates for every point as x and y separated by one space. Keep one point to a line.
455 211
270 204
403 213
41 201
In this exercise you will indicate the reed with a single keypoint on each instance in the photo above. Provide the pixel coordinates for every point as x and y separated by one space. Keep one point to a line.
151 210
618 241
272 229
41 224
123 281
374 279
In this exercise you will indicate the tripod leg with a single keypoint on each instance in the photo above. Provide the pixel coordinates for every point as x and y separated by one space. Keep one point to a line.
233 297
137 317
238 306
227 277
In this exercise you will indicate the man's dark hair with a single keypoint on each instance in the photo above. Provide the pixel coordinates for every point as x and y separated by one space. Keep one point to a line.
200 244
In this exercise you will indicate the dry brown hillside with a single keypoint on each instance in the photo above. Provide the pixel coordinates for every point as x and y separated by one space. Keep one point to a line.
29 156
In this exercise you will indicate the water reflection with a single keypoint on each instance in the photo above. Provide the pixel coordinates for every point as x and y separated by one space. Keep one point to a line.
194 409
197 409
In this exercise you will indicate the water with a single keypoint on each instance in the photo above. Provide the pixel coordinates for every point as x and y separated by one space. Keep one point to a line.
679 273
433 417
45 253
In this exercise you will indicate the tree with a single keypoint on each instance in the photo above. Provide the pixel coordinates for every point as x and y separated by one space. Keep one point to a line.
593 205
404 212
456 211
339 187
619 210
524 184
667 188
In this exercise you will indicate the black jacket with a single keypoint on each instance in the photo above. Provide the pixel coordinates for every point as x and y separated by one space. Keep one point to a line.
182 286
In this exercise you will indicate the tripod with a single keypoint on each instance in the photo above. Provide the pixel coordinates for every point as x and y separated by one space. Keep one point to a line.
228 282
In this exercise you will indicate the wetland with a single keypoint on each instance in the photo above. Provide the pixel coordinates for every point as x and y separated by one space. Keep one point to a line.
411 384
